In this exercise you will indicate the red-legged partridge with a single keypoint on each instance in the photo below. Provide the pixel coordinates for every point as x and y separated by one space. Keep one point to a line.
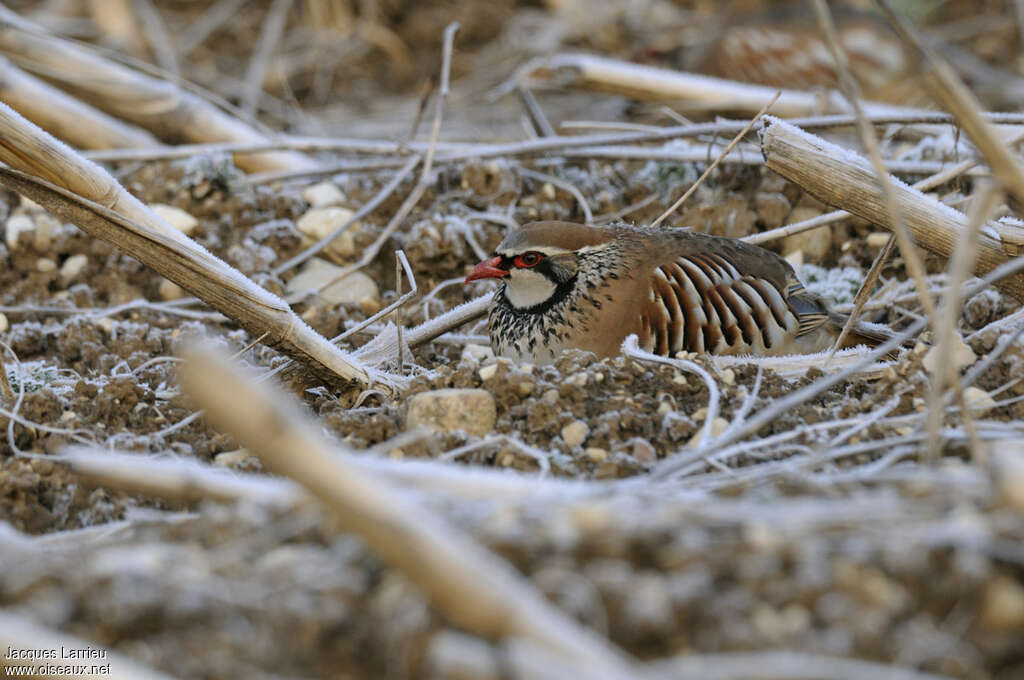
570 285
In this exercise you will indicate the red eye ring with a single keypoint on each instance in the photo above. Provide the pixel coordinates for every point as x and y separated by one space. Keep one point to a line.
528 260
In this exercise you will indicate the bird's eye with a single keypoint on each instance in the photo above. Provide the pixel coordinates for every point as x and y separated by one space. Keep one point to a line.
529 259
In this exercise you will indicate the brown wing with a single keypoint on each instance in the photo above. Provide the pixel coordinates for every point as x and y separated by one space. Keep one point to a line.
723 296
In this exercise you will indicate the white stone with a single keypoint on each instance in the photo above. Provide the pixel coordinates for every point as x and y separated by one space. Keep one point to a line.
355 288
477 354
72 267
45 264
4 324
169 290
979 402
14 227
598 455
470 410
488 372
877 239
43 238
176 217
322 195
575 433
318 223
232 458
961 355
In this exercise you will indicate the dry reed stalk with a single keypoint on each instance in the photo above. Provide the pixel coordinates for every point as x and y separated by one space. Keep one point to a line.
946 86
19 633
695 91
81 192
846 180
189 480
472 587
270 35
157 105
64 116
964 256
914 263
179 479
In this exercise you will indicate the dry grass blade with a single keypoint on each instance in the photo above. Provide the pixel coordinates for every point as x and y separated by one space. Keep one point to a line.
843 179
472 587
123 220
157 105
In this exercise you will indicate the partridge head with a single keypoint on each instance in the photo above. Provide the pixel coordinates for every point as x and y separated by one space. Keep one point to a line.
568 285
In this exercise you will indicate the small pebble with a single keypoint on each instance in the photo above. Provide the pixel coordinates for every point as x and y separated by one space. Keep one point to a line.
4 324
176 217
961 355
470 410
72 267
15 226
232 458
575 433
43 237
323 195
477 354
877 239
596 454
978 401
488 372
353 289
169 290
45 264
319 223
1002 606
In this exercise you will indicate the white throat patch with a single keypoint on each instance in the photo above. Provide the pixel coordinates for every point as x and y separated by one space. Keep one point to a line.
527 288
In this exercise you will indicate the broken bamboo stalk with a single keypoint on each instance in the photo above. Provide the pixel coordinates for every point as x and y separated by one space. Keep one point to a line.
63 116
845 180
160 106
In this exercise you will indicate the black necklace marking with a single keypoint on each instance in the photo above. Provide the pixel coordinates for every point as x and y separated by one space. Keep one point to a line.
562 291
